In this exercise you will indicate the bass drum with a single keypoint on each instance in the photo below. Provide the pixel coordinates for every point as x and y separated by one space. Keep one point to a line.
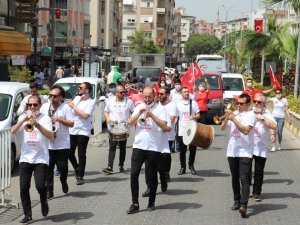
198 134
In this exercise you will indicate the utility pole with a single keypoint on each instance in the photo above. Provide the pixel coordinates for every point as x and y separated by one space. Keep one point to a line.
52 12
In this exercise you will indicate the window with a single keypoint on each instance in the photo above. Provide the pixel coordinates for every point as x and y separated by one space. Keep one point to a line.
102 31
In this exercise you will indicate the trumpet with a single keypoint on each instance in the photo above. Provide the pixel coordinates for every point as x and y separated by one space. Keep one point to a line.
220 119
142 119
29 127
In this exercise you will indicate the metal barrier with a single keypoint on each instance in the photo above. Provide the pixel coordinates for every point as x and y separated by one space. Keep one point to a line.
5 165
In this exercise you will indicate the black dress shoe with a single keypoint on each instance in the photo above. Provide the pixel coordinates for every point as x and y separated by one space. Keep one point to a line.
121 169
26 220
64 186
146 193
45 208
181 171
50 194
236 205
151 207
164 186
133 209
243 211
193 171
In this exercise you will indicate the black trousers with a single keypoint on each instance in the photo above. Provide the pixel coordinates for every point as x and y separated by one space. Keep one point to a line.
112 152
80 142
240 168
182 154
259 165
138 157
60 159
203 117
164 167
26 171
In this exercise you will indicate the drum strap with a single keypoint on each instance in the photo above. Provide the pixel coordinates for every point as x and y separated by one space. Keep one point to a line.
190 107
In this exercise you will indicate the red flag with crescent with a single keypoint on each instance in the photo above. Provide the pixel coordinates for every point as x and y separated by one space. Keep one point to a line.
274 81
191 75
258 25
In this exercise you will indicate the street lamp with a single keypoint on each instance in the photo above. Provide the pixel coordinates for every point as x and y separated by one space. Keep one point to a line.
225 37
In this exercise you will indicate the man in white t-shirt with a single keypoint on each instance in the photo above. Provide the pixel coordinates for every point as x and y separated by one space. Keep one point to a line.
83 108
34 157
59 147
151 120
59 73
117 111
175 94
34 90
264 133
240 150
39 77
187 110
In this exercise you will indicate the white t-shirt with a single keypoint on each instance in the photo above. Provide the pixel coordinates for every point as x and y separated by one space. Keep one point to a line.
62 139
279 107
83 126
118 111
175 96
39 76
261 136
183 108
34 147
172 111
24 102
165 148
241 145
148 136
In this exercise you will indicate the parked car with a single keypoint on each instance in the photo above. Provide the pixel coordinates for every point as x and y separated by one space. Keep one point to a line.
71 86
234 85
11 95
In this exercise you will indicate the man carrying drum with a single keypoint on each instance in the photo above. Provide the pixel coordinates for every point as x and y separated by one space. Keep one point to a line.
117 111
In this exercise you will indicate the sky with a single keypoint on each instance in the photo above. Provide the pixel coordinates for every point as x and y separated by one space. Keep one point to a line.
207 9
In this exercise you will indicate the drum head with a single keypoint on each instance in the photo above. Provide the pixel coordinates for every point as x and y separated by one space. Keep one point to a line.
189 132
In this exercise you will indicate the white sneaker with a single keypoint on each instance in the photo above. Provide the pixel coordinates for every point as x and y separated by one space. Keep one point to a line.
273 149
279 147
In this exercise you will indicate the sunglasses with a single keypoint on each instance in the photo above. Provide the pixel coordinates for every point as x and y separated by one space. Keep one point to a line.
257 102
32 104
54 96
81 88
240 103
161 93
121 92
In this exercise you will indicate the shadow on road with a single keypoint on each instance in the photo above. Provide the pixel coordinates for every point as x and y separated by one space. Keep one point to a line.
280 195
175 192
261 208
181 206
105 179
186 179
278 181
211 173
75 217
271 173
85 194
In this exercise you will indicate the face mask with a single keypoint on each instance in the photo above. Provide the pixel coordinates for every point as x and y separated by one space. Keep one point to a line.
162 84
249 85
257 110
201 88
278 95
177 87
112 90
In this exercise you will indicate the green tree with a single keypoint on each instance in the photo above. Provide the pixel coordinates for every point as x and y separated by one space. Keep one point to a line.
202 44
139 43
19 74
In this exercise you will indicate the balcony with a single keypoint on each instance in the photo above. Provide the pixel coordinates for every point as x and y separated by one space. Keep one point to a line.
161 10
160 26
174 34
130 24
174 45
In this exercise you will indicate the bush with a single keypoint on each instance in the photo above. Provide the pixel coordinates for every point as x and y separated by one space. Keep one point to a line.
44 91
294 103
19 74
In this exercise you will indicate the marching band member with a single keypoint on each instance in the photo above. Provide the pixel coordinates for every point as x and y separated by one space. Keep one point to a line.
187 110
36 133
264 127
59 148
83 108
117 111
152 121
240 150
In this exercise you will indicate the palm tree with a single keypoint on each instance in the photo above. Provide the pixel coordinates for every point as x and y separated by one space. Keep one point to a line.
296 6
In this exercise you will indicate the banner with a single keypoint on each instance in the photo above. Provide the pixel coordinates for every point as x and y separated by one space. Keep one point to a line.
274 81
191 75
258 25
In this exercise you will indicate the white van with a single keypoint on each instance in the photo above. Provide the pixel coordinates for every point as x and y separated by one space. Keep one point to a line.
233 85
71 85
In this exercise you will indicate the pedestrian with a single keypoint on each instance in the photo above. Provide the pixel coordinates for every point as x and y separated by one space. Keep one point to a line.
59 73
151 120
35 129
117 111
280 113
83 108
39 78
67 71
264 133
175 94
201 97
59 147
148 80
250 90
240 150
187 110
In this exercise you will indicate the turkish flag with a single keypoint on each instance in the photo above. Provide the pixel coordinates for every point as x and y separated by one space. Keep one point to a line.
258 25
274 81
132 91
136 99
156 88
190 76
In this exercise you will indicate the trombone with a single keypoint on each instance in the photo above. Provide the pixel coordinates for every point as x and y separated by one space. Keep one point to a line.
220 119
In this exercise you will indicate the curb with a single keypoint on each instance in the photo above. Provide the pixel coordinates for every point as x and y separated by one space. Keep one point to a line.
294 130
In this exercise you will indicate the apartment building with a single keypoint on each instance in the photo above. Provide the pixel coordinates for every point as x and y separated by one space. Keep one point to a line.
204 27
237 25
177 55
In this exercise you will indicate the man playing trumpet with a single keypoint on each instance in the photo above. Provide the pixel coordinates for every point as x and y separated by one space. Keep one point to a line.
34 154
240 150
59 147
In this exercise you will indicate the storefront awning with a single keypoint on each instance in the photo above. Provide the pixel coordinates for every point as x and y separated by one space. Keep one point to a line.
14 43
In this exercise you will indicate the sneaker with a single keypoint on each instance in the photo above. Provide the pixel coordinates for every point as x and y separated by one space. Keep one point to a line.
279 147
257 198
236 205
151 207
121 169
192 169
164 186
26 220
243 211
181 171
146 193
64 186
57 173
45 208
133 209
80 181
273 149
50 194
108 170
